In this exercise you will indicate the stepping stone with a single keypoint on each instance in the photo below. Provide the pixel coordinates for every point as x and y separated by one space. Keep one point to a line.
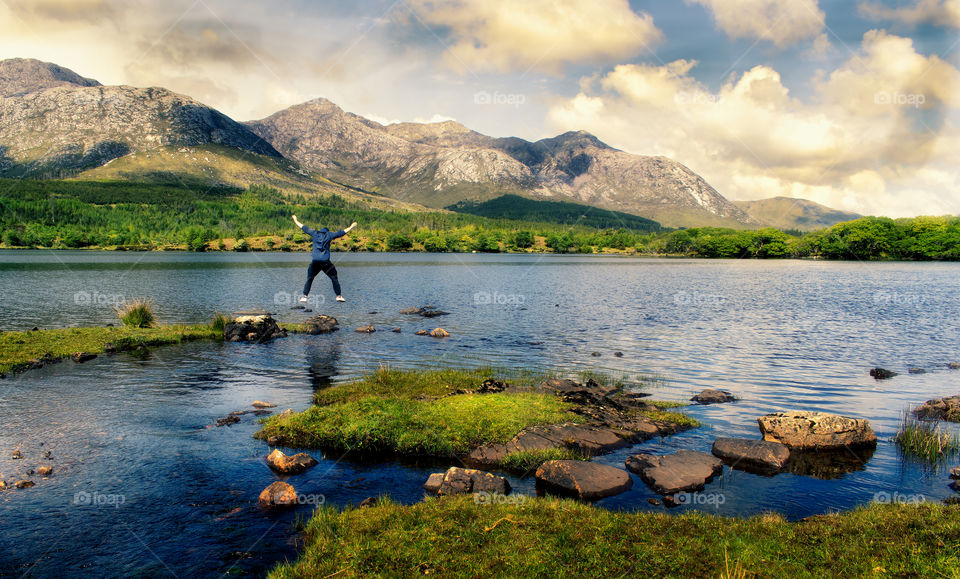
585 480
713 396
279 494
745 454
460 481
684 470
294 464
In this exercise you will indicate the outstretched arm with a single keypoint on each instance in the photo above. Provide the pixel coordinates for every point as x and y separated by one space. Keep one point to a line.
297 221
352 225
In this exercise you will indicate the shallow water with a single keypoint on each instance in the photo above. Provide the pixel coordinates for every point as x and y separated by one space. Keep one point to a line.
143 485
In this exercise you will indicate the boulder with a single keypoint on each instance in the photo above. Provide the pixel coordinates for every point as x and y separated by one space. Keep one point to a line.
684 470
262 404
751 455
713 396
257 328
24 484
439 333
955 472
806 430
81 357
365 330
45 470
321 325
882 373
293 464
278 494
460 481
585 480
228 420
947 408
369 502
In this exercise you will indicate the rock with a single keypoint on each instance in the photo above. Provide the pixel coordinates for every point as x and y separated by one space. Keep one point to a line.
915 370
713 396
294 464
653 501
365 330
954 365
368 502
374 312
491 386
751 455
460 481
955 472
670 502
278 494
618 354
397 330
81 357
45 470
882 374
585 480
947 408
3 484
421 333
816 430
684 470
228 420
16 455
259 328
24 484
110 348
595 354
439 333
321 325
262 404
411 311
434 313
426 312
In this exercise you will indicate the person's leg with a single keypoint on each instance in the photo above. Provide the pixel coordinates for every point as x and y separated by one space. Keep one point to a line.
331 271
312 272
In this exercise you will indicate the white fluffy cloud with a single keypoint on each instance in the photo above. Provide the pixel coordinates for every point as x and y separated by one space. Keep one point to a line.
878 136
941 12
543 35
782 22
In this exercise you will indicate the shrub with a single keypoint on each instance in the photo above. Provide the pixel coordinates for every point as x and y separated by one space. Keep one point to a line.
241 245
398 242
136 314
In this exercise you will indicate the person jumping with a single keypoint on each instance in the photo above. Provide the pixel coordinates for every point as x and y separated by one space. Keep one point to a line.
321 257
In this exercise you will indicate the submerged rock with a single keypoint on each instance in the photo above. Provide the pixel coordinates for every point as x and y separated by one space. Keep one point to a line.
228 420
397 330
425 311
915 370
882 373
585 480
684 470
947 408
751 455
421 333
807 430
278 494
293 464
713 396
459 481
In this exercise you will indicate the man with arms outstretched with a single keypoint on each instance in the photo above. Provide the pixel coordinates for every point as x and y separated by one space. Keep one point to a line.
321 257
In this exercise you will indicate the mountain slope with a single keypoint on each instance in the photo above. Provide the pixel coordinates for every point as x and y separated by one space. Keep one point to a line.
70 126
20 76
790 213
440 164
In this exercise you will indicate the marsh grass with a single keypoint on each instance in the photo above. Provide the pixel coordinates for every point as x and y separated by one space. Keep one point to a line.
137 313
925 440
219 322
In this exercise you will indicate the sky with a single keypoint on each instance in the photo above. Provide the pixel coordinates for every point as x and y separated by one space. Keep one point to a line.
851 103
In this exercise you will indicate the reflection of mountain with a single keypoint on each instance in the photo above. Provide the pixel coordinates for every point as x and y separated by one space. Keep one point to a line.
323 363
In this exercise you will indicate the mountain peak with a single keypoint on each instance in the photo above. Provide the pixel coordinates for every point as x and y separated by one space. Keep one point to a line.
574 139
20 76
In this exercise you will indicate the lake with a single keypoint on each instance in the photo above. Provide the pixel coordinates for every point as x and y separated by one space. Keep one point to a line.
145 485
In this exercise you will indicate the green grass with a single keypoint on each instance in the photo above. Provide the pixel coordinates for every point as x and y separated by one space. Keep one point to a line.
136 314
925 440
219 322
18 348
549 537
527 461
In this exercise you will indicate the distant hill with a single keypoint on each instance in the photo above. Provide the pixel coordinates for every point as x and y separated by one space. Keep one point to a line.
523 209
789 213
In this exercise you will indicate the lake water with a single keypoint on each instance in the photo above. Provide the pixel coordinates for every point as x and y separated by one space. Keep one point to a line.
144 485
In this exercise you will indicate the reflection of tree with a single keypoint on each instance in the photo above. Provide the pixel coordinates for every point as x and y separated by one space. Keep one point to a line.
322 359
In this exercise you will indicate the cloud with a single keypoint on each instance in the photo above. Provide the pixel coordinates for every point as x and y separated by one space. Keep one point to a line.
942 12
542 35
68 11
875 137
782 22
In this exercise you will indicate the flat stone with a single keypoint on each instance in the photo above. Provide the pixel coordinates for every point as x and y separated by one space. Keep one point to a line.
228 420
749 455
433 483
293 464
278 494
684 470
798 429
585 480
459 481
713 396
262 404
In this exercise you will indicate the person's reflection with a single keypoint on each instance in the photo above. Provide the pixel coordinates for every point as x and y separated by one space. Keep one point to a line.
322 357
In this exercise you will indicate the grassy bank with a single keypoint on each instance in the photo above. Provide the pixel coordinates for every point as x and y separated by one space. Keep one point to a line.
19 350
548 537
434 413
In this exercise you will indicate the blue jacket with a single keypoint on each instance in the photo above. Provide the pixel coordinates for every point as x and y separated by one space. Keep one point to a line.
321 241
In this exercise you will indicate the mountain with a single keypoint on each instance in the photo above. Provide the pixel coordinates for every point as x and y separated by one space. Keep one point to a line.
58 123
519 208
790 213
441 164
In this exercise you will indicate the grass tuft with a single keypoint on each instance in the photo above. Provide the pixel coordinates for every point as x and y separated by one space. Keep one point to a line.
137 313
925 440
219 322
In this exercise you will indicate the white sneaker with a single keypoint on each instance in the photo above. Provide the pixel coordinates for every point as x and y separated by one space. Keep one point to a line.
303 299
340 299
